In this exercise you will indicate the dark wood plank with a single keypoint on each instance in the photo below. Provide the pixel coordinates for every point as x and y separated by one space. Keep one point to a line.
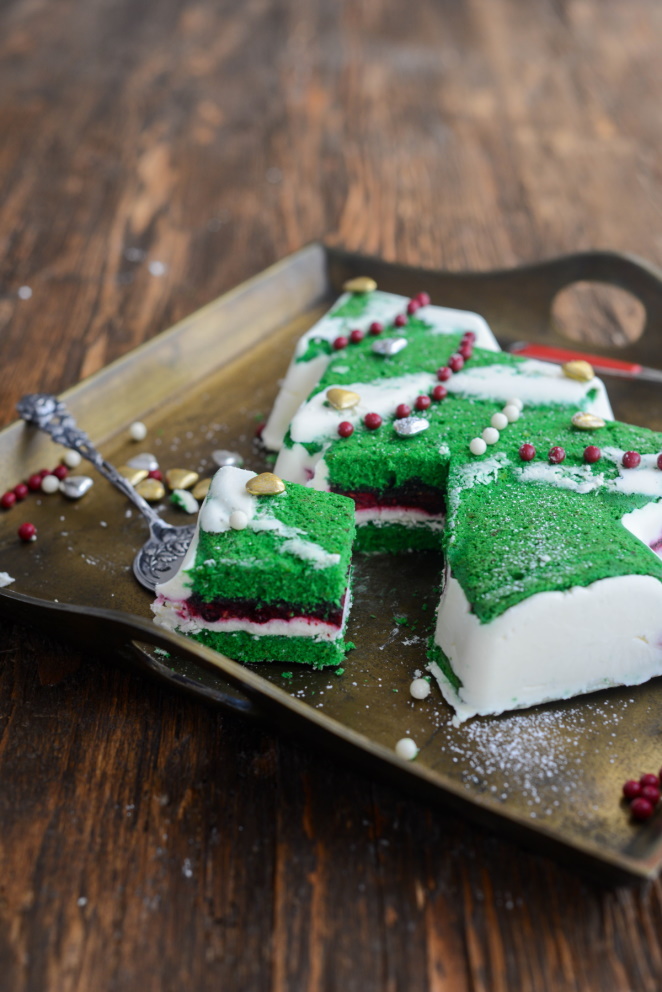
153 157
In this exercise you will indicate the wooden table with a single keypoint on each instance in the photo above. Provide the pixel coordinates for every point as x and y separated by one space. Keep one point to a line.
153 156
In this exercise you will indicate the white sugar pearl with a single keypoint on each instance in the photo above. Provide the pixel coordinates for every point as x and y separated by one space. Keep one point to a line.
137 431
490 435
420 689
515 401
477 446
50 484
238 520
72 459
499 420
512 413
406 748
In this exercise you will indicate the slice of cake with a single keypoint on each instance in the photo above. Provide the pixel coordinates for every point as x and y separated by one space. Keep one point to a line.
391 407
267 575
548 512
357 314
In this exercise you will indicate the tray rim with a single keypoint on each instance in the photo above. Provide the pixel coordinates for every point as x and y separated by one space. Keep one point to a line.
272 701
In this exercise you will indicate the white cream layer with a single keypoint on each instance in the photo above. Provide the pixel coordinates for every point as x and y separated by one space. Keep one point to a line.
553 645
301 377
399 515
174 615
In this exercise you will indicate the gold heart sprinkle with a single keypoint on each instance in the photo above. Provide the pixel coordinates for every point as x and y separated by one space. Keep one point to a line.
151 489
579 369
265 484
342 399
181 478
361 284
587 421
132 475
201 488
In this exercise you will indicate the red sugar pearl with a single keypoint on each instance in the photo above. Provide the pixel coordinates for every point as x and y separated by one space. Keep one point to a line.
592 454
372 421
649 779
27 532
422 402
345 429
527 452
43 472
60 472
340 342
641 808
439 393
7 500
402 410
659 461
34 483
556 455
412 307
631 459
423 299
651 793
356 336
259 430
376 328
466 350
469 336
444 374
456 362
21 491
631 789
155 473
400 320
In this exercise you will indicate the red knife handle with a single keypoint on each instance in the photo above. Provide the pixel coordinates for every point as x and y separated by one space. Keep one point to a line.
548 354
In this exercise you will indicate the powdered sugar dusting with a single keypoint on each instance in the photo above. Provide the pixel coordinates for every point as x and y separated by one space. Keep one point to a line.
537 756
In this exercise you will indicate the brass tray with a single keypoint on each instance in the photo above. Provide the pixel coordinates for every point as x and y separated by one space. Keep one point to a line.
549 776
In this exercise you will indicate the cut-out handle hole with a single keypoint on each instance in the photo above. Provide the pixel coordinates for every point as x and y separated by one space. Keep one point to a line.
598 313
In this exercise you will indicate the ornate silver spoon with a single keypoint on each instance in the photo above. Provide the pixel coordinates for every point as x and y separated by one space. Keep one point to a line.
160 556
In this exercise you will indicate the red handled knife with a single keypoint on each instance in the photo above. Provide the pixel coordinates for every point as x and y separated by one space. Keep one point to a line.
602 365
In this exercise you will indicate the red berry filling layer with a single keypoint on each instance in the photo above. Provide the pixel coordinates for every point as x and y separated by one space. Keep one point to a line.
415 495
255 612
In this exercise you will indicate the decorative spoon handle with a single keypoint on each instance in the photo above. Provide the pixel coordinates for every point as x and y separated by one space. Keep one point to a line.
50 415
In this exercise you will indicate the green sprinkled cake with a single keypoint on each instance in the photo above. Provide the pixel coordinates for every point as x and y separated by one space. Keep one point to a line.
548 513
266 577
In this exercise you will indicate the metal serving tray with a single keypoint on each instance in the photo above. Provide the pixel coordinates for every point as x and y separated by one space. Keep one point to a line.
549 776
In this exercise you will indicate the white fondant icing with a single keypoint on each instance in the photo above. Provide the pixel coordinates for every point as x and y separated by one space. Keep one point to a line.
227 493
534 382
646 524
553 645
578 479
5 579
317 420
646 480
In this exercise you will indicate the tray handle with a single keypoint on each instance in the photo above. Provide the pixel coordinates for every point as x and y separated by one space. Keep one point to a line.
517 302
109 632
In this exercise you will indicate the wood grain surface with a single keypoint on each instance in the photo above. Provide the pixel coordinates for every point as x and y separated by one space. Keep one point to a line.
154 155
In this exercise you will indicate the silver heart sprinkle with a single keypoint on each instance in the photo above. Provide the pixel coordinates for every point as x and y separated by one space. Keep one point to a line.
75 486
223 458
144 461
389 346
408 426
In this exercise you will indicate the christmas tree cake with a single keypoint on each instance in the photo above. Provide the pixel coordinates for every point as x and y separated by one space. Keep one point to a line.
266 577
547 511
